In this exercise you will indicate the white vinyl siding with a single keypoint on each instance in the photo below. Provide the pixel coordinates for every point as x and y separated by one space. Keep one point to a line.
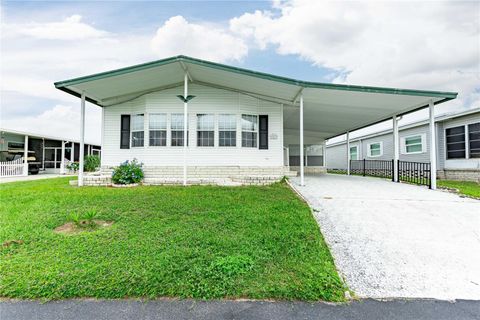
138 133
208 100
375 149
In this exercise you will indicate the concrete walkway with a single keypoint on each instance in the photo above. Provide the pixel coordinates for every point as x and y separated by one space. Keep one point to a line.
398 240
31 177
190 309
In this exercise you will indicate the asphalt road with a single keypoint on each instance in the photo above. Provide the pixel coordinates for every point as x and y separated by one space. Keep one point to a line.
190 309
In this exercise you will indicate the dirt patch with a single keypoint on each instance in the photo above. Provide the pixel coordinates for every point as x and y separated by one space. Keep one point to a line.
83 226
8 243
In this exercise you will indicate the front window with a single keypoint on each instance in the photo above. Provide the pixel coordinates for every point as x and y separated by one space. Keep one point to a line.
413 144
177 130
205 130
249 130
474 140
227 130
455 142
157 125
137 130
375 149
354 153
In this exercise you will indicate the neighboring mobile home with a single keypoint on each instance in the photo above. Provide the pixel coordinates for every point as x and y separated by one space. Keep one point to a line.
44 153
239 125
458 146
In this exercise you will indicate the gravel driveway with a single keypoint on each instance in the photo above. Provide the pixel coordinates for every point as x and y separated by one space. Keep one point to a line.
398 240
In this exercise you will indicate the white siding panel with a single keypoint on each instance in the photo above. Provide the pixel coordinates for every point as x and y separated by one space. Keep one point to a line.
207 100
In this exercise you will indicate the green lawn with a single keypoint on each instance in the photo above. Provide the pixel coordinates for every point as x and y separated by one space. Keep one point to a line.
468 188
199 241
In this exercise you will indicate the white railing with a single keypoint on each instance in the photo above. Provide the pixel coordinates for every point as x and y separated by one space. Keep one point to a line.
11 168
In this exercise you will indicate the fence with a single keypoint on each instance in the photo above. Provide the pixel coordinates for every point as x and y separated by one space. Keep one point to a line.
415 172
11 168
374 168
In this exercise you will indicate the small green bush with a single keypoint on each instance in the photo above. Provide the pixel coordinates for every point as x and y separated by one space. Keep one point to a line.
91 163
73 166
128 172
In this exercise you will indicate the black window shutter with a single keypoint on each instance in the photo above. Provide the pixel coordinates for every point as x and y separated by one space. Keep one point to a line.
125 131
263 132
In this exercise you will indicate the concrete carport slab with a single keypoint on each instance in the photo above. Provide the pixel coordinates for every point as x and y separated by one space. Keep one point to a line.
398 240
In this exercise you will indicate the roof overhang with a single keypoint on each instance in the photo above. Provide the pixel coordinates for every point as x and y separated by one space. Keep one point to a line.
331 109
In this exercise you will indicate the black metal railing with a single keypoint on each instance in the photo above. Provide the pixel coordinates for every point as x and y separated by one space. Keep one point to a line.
415 172
374 168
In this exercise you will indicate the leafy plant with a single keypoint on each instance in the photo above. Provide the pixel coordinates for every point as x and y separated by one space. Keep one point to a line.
92 162
128 172
76 218
90 215
73 166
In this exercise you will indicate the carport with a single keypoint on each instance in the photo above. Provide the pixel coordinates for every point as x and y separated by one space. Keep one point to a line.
312 110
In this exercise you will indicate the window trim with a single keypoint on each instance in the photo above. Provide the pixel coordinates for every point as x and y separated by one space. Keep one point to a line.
468 155
423 139
213 130
166 129
242 131
132 116
170 130
350 152
445 144
369 151
220 130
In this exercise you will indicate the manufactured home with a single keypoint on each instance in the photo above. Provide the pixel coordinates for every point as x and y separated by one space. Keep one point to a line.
458 146
194 121
43 153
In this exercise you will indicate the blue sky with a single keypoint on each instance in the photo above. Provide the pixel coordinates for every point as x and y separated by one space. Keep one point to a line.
426 45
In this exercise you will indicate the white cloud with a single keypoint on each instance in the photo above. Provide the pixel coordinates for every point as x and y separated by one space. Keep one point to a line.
426 45
60 121
178 36
71 28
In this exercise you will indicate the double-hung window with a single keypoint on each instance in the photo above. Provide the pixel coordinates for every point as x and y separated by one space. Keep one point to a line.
227 130
455 142
157 126
354 153
249 130
414 144
137 130
474 140
205 130
177 130
375 149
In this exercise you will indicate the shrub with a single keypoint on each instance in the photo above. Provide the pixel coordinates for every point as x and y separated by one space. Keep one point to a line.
73 166
128 172
91 163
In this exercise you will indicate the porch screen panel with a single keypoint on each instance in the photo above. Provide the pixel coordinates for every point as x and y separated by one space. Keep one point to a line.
227 130
157 124
137 130
455 142
205 130
263 132
474 140
124 132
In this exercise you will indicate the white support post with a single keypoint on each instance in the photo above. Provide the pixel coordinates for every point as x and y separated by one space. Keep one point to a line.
185 131
43 153
62 161
82 140
433 146
325 154
72 152
395 149
348 152
302 175
25 156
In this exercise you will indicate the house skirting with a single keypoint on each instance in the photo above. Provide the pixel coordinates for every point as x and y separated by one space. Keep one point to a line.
459 174
310 169
225 175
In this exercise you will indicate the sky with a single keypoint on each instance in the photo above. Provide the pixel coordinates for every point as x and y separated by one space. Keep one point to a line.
423 45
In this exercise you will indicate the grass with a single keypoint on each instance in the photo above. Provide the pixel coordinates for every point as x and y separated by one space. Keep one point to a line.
199 242
468 188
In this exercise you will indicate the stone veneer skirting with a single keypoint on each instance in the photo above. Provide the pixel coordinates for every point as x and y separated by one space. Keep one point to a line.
228 175
311 169
459 174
